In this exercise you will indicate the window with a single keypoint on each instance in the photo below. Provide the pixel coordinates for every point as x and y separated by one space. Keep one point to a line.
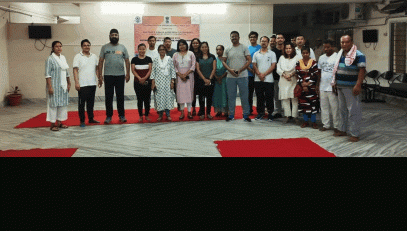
398 51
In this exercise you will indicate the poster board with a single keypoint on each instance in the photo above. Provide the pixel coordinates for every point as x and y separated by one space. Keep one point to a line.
174 27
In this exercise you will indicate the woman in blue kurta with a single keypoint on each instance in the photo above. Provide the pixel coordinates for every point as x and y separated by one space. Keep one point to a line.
58 86
220 96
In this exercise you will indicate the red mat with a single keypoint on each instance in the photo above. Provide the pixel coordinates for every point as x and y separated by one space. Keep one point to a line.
131 116
68 152
296 147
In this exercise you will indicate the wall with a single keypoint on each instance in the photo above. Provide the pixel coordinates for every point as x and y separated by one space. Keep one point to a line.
27 64
4 69
41 13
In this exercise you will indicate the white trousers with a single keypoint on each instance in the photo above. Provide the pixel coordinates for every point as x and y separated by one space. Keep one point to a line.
182 106
56 113
288 111
329 106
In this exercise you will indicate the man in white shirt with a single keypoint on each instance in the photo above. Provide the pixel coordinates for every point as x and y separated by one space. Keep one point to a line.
329 100
152 50
300 41
85 70
264 62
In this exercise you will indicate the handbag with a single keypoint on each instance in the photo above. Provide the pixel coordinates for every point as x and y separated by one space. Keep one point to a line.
298 91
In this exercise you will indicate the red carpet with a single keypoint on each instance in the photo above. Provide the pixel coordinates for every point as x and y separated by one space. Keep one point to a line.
296 147
131 116
68 152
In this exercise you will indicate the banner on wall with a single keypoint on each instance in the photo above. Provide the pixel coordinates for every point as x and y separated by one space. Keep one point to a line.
163 26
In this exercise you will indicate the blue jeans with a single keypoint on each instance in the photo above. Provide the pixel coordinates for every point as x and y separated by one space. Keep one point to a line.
232 84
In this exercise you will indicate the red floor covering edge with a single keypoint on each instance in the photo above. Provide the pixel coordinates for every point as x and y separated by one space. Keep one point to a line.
131 116
67 152
295 147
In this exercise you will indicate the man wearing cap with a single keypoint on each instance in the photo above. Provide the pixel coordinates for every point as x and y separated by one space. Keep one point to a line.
112 55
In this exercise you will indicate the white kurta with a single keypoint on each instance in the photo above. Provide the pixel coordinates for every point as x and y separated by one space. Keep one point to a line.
286 88
162 75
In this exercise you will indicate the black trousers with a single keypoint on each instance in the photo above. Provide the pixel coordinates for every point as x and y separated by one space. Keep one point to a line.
205 92
112 84
265 97
251 92
86 96
143 93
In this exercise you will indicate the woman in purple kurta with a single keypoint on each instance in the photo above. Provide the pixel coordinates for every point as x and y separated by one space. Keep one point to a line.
184 63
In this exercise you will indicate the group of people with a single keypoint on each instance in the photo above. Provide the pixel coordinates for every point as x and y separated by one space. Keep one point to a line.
285 77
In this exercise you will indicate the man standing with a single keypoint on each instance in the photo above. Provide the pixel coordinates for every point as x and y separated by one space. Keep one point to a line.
152 50
349 70
85 72
167 44
264 62
273 42
328 99
300 41
253 48
239 60
278 50
319 49
114 75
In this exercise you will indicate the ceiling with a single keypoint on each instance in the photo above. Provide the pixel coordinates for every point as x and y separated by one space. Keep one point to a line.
201 1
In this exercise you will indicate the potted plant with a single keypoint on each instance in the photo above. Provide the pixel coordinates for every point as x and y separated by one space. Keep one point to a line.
14 98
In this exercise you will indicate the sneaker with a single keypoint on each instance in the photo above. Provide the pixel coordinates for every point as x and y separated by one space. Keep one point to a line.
93 121
247 119
259 117
123 119
230 118
108 120
270 118
82 125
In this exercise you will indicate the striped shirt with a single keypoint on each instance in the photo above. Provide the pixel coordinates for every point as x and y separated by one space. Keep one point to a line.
60 98
142 66
348 75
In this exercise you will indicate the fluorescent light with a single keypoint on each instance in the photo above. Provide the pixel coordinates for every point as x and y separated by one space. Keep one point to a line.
206 8
122 8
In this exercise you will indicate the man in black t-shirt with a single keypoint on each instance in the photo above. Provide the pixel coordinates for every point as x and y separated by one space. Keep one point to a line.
167 44
279 51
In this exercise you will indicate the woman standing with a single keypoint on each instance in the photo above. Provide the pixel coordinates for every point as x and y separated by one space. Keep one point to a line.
58 86
220 97
206 68
163 80
141 69
196 49
288 80
184 64
307 71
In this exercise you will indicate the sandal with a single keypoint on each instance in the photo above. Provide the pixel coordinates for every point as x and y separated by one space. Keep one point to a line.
193 112
202 117
62 126
209 117
219 114
182 116
190 116
169 118
314 126
159 118
148 118
305 124
54 129
141 119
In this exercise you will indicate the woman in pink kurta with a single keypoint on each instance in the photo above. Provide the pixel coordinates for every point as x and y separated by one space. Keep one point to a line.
184 63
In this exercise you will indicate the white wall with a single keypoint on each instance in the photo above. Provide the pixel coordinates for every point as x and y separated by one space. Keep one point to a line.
41 13
27 64
4 69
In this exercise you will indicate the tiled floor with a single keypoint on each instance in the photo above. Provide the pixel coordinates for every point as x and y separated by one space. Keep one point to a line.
384 134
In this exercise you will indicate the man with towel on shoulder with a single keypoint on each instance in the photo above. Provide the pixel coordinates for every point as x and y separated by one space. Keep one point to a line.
348 75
